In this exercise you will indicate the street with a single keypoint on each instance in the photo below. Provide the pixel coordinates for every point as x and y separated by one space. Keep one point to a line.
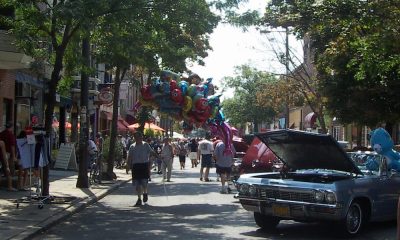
185 209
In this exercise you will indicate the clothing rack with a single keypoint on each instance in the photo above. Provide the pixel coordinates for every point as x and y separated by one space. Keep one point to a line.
34 152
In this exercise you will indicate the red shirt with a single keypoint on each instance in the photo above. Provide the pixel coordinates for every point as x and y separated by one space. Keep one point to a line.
9 139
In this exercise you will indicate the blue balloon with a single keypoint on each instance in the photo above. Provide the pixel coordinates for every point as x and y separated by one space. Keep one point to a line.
206 86
183 85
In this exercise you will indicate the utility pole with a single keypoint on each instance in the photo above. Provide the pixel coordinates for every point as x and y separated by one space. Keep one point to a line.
287 110
287 72
83 181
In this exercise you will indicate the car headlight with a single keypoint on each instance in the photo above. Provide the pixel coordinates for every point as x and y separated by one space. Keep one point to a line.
330 197
252 190
319 196
244 189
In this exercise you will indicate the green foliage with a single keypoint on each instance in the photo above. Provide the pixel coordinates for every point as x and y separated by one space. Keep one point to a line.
243 107
355 50
117 150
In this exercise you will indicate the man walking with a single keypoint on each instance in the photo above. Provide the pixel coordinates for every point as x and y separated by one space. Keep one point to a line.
224 163
139 162
167 156
205 150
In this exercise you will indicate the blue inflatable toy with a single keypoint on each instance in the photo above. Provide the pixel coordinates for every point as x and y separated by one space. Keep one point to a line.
382 144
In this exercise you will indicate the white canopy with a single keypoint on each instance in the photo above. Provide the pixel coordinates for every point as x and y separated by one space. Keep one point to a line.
177 135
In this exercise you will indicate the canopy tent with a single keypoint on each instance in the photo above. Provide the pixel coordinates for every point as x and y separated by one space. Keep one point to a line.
178 135
151 126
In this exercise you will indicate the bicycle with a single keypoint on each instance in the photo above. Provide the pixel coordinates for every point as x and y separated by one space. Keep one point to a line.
95 169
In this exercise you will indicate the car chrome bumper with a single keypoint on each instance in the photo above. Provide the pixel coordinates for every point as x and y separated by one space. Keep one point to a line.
292 209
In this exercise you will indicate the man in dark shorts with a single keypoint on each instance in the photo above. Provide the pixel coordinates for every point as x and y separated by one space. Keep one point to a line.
224 163
139 162
205 150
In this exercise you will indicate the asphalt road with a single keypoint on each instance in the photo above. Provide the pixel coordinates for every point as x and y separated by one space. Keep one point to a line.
186 209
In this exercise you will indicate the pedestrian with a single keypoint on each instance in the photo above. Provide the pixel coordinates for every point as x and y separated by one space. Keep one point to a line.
167 157
139 162
99 142
182 153
4 166
92 152
193 146
224 163
205 151
8 163
158 161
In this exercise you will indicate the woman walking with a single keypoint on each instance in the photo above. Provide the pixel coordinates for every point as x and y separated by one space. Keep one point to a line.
193 152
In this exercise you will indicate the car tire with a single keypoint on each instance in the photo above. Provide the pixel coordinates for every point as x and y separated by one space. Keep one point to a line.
266 222
354 220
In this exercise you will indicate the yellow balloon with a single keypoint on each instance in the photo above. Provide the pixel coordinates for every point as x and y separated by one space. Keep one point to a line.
187 104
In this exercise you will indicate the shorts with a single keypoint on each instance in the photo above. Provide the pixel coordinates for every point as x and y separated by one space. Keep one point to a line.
206 160
140 171
193 155
140 182
223 170
182 159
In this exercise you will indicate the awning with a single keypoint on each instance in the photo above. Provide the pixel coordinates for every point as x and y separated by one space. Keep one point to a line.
310 119
121 126
152 126
126 124
108 116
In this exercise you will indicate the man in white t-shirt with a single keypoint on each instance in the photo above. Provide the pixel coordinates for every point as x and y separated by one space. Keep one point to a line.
205 150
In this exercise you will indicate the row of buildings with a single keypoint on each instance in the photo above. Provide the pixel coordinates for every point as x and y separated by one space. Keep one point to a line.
23 93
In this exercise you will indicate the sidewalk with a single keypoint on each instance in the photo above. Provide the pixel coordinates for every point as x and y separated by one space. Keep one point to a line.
24 221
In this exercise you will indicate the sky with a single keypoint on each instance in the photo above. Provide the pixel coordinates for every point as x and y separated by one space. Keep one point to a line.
234 47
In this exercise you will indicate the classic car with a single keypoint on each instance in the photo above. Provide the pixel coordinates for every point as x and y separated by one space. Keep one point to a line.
319 182
257 158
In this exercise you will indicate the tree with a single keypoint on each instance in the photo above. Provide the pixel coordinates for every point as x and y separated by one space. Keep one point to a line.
299 84
43 30
243 107
355 52
163 35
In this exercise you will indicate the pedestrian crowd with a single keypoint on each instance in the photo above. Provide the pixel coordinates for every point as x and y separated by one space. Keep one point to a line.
145 155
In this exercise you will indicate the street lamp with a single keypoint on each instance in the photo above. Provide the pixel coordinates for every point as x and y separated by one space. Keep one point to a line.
286 31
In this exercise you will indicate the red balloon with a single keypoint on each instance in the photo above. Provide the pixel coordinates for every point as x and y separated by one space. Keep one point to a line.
146 93
173 85
201 104
176 95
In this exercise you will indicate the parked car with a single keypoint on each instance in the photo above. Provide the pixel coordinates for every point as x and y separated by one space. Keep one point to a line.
257 158
319 182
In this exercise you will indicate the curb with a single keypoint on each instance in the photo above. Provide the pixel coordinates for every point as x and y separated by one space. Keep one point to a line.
75 206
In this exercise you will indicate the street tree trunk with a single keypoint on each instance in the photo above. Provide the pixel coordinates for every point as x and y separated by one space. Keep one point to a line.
119 75
50 103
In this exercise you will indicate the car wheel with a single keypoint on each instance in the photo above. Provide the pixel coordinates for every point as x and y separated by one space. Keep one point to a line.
266 222
354 219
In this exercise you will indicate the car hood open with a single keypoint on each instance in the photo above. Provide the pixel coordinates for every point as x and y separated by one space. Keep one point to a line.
306 150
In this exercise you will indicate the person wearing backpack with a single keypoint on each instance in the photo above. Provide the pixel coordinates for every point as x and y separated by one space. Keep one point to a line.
182 153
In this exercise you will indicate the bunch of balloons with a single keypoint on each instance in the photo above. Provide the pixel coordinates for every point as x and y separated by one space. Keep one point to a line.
190 100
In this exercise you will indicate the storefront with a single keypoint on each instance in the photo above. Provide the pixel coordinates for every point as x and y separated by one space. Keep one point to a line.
29 92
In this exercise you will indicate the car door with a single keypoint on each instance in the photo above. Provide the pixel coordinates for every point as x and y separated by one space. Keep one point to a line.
387 192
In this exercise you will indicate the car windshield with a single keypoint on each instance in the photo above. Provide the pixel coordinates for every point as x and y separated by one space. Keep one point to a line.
361 158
